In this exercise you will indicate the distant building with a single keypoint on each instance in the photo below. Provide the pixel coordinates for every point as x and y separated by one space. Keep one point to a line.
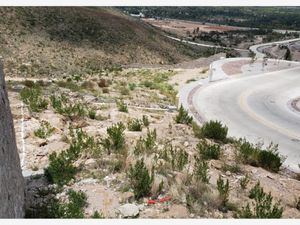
140 15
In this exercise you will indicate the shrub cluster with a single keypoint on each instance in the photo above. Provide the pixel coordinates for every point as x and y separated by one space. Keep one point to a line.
63 106
61 169
45 130
135 125
32 97
201 170
208 151
268 158
223 189
263 207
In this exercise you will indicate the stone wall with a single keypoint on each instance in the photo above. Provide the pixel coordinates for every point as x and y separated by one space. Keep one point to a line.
11 180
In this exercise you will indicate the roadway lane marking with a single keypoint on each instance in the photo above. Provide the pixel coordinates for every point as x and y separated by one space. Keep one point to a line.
245 107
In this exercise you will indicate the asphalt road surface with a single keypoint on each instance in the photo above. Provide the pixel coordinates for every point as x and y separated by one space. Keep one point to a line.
258 108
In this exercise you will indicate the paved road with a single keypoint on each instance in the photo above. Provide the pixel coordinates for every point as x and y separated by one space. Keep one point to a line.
257 107
257 49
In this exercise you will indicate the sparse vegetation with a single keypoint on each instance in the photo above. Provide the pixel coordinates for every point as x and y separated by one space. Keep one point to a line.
244 182
145 121
201 170
223 189
147 144
32 97
135 125
116 138
209 151
45 130
263 207
122 107
183 116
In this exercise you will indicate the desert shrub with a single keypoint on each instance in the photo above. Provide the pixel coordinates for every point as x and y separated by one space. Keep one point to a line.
105 90
116 138
122 107
97 215
201 170
135 125
233 168
145 121
64 107
263 206
214 130
298 204
208 151
268 158
29 83
33 99
61 170
196 130
183 116
69 85
147 144
178 158
124 90
72 208
92 114
132 86
244 182
140 179
103 83
45 130
223 189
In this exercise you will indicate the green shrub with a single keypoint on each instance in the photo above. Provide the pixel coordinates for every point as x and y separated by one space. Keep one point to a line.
140 179
72 208
116 137
64 107
214 130
132 86
122 107
45 130
223 189
244 182
92 114
208 151
201 170
183 116
298 204
33 99
145 121
135 125
29 83
97 215
270 159
69 85
263 207
61 169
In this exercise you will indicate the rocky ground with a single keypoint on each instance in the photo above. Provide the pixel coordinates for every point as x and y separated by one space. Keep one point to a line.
107 188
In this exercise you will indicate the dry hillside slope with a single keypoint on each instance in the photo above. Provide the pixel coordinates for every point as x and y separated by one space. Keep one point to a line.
51 41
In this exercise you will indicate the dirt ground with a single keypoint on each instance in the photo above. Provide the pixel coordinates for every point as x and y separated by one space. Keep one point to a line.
181 27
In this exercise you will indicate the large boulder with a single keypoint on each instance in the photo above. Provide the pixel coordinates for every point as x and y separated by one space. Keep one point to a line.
12 185
129 210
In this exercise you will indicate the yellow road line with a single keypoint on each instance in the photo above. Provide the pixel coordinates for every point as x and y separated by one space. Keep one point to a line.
245 107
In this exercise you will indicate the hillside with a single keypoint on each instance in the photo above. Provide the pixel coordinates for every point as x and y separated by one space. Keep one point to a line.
54 41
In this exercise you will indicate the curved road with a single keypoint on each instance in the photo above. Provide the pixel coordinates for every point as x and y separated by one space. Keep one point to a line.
257 107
